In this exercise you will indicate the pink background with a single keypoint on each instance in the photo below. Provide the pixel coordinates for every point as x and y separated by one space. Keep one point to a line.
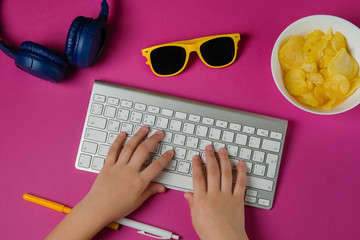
41 123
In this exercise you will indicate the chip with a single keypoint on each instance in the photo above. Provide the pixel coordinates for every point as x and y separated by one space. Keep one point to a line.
318 70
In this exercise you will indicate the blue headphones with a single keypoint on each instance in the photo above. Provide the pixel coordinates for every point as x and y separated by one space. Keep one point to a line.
84 43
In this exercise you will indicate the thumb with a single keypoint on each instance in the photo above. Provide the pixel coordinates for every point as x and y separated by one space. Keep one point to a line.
152 189
189 196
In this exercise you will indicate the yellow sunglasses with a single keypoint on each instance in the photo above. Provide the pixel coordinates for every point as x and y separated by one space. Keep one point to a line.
169 59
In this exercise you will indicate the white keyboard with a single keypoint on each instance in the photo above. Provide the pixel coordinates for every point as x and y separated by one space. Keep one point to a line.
189 126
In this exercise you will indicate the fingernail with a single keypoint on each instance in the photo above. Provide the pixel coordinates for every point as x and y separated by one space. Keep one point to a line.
161 189
122 134
159 132
170 152
144 128
209 147
222 150
241 163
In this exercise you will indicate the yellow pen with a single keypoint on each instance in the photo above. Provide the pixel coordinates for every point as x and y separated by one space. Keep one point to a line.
58 207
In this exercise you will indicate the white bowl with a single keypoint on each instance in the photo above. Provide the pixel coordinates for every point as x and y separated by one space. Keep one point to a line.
307 25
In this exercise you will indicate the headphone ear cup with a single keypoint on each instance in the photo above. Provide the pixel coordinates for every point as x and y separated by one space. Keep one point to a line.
85 41
41 62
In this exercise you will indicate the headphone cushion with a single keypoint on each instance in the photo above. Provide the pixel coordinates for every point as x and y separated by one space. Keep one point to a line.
73 37
44 52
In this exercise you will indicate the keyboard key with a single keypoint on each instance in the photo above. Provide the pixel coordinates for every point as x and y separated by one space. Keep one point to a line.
140 107
99 98
103 150
241 139
201 131
167 137
259 170
264 202
271 145
254 142
191 153
184 167
110 111
271 159
250 199
165 148
149 120
180 153
96 109
171 165
179 139
234 126
127 127
276 135
221 124
123 114
262 132
136 117
192 142
89 147
250 192
84 161
111 138
153 109
167 112
248 167
228 136
204 143
194 118
208 121
126 103
175 125
180 115
96 122
162 122
245 153
113 101
114 125
232 150
189 128
247 129
214 133
98 163
95 135
218 145
258 156
259 183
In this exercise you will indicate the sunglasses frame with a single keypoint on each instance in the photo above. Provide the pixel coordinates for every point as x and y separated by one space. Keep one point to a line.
190 46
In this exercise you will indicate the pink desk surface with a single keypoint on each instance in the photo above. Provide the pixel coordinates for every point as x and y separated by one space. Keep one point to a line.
318 193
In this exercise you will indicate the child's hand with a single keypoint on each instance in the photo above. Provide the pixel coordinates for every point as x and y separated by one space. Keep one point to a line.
217 211
121 186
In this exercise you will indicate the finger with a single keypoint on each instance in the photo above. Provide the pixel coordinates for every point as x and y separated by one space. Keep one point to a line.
144 148
226 172
150 190
239 189
212 169
199 184
155 167
189 196
132 144
115 149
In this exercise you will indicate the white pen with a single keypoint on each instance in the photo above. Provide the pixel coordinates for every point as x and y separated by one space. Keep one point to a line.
147 229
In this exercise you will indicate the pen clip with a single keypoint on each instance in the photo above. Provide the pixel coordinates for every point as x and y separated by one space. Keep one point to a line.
153 236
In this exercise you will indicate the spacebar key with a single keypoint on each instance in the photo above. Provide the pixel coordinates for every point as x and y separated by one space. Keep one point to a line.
259 183
175 181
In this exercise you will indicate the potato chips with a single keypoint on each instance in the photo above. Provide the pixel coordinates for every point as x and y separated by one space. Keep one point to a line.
318 69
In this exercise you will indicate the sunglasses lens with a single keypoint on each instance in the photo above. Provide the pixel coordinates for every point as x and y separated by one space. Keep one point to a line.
168 60
219 51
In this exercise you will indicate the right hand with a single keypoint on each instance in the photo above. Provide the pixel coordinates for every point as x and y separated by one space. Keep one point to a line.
217 211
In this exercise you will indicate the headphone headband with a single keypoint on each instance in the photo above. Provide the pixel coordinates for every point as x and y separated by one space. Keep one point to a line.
6 49
104 13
